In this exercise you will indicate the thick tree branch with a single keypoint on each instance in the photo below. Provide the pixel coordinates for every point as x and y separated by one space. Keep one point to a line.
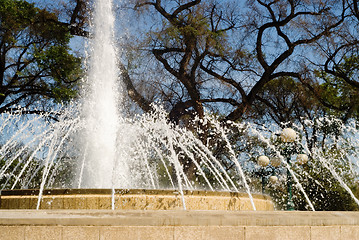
185 7
221 100
158 54
226 80
337 71
144 104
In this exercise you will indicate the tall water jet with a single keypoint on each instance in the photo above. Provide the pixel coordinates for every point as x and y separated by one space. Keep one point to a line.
101 104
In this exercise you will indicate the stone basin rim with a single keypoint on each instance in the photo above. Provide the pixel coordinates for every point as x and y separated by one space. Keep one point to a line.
107 191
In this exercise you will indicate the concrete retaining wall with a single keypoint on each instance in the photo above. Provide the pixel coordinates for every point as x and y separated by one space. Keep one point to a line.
223 225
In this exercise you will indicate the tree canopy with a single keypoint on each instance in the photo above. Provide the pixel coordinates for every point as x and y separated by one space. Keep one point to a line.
36 64
225 55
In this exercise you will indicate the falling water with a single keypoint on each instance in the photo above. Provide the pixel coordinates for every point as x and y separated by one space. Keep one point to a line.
101 105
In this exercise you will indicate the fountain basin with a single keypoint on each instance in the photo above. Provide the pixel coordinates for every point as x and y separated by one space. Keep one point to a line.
132 199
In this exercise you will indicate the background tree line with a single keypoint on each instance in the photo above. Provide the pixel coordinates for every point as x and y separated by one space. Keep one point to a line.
264 60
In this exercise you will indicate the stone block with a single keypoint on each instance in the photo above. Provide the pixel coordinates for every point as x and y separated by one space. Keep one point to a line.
138 202
118 233
137 232
80 202
24 202
192 202
212 203
13 202
245 204
175 202
81 233
12 232
277 232
209 232
104 202
46 202
131 202
69 202
225 233
155 232
189 232
269 205
349 232
4 202
158 202
153 200
325 232
92 202
33 202
170 202
121 203
260 204
57 202
43 232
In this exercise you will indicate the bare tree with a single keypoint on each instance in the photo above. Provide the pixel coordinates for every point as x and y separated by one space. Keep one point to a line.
226 55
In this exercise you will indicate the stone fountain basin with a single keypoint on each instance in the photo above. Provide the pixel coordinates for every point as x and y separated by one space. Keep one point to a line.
132 199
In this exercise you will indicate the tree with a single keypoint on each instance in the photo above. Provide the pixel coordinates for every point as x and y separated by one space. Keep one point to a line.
190 32
334 78
234 57
35 59
237 49
285 100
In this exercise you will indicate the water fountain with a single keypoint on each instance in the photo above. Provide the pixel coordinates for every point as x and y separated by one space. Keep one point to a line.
94 148
95 158
110 154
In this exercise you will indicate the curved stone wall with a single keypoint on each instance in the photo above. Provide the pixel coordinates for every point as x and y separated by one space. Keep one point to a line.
133 199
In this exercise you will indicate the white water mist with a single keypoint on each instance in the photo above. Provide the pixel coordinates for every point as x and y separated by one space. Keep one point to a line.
101 105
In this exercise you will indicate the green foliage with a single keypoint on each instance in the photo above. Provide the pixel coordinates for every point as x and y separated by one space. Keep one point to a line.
40 65
192 28
15 16
341 96
325 141
349 66
19 15
324 190
63 173
64 69
31 179
285 99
